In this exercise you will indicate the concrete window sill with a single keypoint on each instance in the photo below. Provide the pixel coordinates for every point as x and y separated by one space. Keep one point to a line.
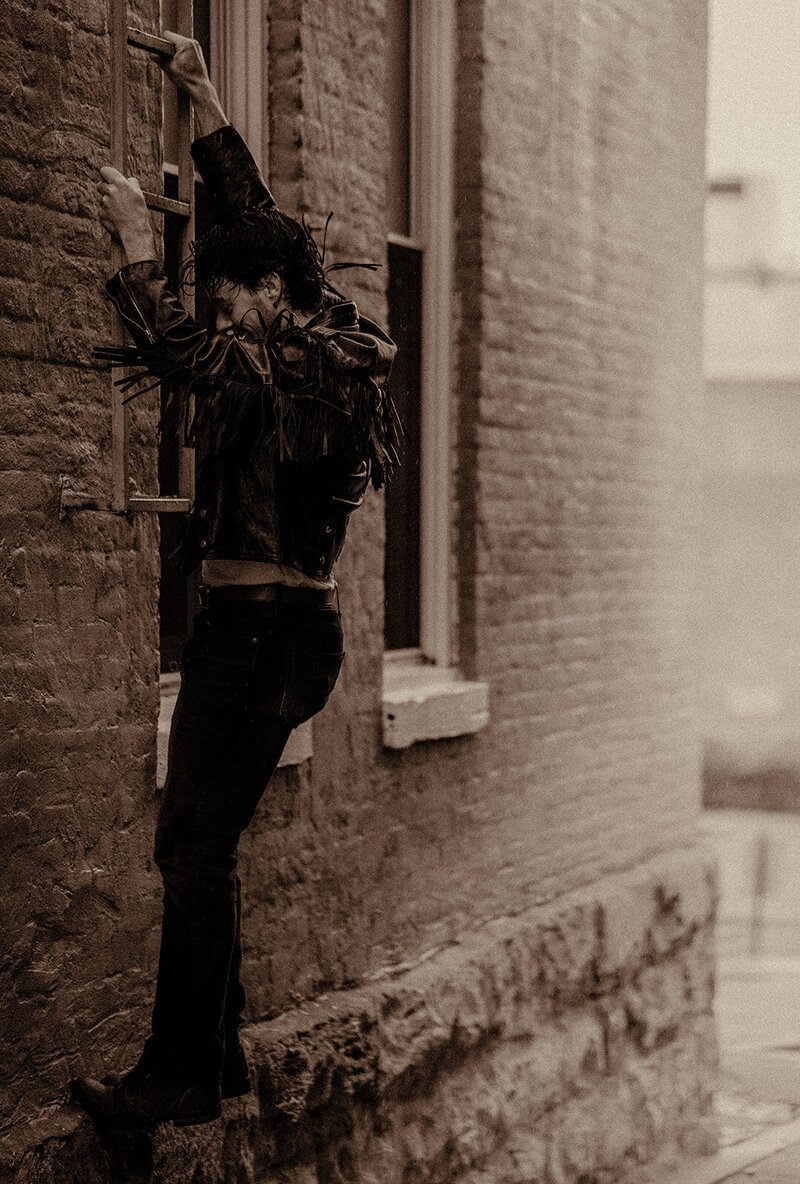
299 748
423 702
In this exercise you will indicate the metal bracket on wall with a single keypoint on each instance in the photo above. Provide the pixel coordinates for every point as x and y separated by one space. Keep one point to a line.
124 36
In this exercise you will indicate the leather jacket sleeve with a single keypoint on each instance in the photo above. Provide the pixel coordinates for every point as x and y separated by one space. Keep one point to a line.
151 311
232 178
140 292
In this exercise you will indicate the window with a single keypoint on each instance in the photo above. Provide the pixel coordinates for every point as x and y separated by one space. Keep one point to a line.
233 34
402 562
420 45
424 697
404 296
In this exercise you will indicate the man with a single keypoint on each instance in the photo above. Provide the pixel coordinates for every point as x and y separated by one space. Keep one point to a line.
291 421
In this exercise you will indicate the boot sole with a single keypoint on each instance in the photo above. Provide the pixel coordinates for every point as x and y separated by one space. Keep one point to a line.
234 1090
195 1119
146 1124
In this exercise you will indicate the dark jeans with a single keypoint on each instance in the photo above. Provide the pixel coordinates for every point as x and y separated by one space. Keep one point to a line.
251 672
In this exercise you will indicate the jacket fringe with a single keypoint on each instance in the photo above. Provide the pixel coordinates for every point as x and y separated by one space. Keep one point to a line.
314 406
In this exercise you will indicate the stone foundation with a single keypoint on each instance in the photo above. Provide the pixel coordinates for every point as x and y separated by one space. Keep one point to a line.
560 1046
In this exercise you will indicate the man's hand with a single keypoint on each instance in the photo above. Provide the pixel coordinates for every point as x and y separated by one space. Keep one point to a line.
187 69
124 215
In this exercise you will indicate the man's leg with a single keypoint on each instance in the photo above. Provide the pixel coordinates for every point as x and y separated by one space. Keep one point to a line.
235 1072
221 758
249 678
220 763
302 685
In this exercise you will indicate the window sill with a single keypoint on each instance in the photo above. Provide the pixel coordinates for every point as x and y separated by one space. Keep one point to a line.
422 702
298 748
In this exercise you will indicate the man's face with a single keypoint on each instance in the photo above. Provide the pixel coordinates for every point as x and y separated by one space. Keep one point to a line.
242 312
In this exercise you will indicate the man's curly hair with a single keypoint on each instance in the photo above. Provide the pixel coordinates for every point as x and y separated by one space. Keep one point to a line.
247 246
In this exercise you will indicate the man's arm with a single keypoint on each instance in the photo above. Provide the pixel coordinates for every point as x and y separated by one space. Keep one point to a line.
187 69
123 212
232 178
139 289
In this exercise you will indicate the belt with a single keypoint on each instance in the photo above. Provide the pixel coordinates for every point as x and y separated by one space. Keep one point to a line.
270 594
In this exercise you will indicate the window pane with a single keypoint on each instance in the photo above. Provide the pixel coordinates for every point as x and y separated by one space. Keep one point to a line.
402 565
398 97
169 21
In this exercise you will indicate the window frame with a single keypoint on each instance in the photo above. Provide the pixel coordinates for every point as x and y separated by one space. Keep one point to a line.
239 56
431 169
425 695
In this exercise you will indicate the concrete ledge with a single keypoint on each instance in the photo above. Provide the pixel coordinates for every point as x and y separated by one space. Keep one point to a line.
300 746
423 702
541 1047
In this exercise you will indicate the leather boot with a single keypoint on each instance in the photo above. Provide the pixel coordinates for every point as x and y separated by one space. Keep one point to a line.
141 1099
235 1074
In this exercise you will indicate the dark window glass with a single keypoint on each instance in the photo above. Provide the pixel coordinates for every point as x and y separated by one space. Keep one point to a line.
201 17
404 296
402 564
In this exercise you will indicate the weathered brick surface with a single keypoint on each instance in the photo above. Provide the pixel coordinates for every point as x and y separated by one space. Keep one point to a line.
503 1058
578 215
77 597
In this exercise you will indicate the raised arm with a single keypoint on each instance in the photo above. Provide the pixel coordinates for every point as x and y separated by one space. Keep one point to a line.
232 178
188 70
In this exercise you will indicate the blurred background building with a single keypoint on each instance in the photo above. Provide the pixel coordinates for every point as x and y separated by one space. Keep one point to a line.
751 649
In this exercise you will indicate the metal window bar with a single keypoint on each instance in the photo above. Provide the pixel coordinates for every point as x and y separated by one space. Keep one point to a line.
123 36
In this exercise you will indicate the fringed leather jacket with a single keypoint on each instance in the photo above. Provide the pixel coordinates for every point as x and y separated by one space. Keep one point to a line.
289 431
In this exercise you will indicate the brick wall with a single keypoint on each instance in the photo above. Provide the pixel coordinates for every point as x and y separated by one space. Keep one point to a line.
579 208
579 431
579 198
77 597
